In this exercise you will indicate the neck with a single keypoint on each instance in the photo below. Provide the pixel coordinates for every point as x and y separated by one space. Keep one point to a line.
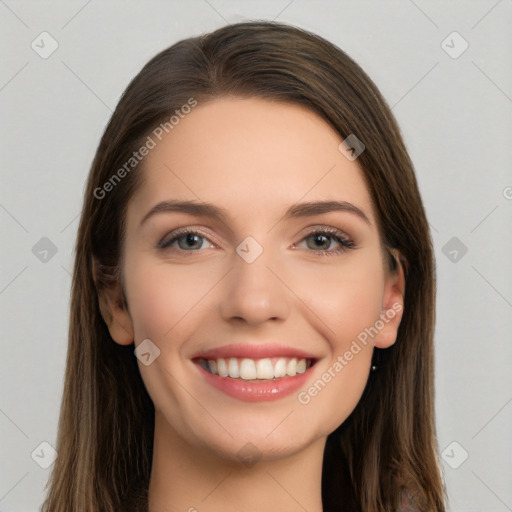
187 478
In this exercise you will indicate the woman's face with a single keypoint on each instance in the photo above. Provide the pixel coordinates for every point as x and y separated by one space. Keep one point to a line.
269 283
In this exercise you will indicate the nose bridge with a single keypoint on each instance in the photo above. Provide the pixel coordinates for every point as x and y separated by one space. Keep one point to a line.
253 292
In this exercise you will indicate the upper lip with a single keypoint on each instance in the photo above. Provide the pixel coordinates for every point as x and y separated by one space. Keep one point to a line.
253 351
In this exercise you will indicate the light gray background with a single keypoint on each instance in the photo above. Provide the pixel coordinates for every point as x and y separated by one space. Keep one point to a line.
456 117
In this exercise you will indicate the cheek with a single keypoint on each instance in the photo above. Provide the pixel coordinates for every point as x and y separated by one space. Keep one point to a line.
167 304
348 298
348 304
163 300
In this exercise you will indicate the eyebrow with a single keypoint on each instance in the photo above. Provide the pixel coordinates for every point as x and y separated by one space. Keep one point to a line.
203 209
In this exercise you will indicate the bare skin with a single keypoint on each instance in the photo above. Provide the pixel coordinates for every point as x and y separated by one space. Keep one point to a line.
255 159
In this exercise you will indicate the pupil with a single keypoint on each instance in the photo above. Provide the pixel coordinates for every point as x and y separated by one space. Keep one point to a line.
191 239
321 240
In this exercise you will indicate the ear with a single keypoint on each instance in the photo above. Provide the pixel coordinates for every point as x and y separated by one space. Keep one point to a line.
112 304
392 302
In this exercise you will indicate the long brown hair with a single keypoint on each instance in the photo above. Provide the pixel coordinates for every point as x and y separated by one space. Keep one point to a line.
105 436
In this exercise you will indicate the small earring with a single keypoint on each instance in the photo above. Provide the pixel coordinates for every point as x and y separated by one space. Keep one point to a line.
376 360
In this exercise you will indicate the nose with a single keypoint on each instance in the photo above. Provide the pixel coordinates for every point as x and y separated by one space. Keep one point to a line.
254 292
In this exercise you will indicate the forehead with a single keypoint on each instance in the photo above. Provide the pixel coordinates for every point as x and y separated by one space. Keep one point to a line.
249 155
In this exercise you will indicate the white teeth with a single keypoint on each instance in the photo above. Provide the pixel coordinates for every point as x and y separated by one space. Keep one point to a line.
291 369
301 366
264 369
280 368
248 369
233 368
222 369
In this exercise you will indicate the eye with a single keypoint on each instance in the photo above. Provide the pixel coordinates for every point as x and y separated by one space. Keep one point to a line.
321 241
186 238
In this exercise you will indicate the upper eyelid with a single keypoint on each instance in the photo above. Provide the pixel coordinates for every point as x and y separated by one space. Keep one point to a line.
178 232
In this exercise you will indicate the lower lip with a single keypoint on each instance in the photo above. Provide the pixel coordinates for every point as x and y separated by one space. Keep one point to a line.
255 391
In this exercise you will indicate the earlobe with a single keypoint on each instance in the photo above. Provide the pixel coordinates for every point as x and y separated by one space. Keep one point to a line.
112 306
117 318
392 304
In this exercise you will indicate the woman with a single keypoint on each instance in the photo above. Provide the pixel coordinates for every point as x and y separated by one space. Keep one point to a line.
253 294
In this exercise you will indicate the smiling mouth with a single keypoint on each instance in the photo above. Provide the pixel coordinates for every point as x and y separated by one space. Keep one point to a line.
269 368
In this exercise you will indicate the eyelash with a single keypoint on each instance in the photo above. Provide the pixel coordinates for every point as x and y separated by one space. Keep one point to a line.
340 237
